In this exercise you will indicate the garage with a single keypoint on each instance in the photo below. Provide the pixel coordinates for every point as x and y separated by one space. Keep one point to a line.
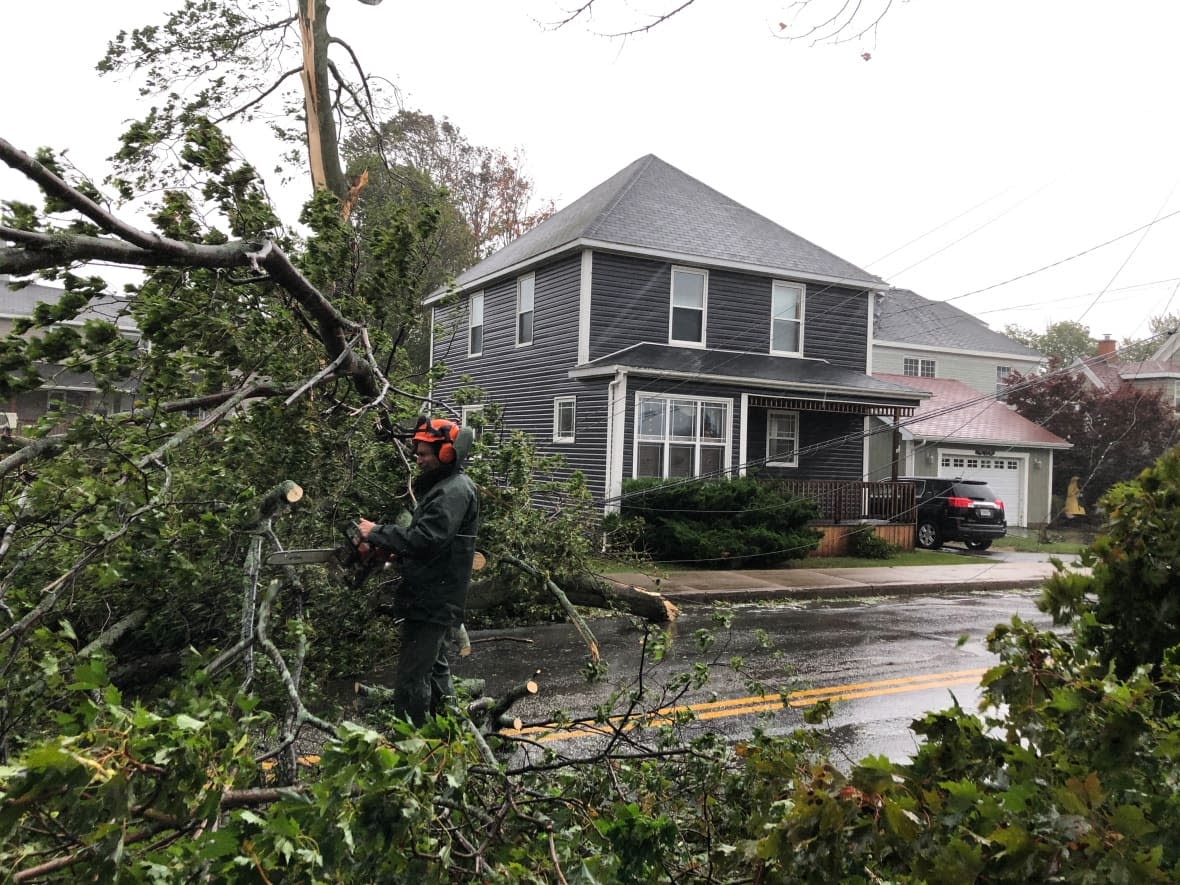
1005 473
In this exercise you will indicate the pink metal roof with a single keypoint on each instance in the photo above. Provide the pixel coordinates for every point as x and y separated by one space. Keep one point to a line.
958 412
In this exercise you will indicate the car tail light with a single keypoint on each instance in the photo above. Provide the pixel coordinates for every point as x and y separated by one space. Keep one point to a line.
999 503
958 502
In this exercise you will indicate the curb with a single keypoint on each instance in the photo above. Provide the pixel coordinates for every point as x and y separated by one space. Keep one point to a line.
762 594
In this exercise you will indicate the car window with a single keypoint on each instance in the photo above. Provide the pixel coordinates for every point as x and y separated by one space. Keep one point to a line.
974 491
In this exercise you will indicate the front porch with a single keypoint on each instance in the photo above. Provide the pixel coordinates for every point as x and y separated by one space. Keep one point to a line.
845 506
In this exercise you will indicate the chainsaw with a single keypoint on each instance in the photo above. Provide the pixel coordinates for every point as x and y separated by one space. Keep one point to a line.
354 559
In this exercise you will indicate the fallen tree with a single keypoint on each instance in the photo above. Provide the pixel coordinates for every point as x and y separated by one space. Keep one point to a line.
587 590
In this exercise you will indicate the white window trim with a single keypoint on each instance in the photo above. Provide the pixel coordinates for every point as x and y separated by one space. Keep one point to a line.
482 322
466 412
920 361
532 277
726 444
802 312
704 305
795 461
1002 372
558 402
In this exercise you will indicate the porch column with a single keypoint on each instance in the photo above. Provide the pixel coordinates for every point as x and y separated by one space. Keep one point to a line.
896 443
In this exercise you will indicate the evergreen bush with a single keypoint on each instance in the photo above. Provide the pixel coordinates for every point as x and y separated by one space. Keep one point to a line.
727 523
864 543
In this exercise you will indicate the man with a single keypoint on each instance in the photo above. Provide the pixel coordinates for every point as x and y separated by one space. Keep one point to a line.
435 553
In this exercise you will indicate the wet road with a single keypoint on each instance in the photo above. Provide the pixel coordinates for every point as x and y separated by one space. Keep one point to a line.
884 660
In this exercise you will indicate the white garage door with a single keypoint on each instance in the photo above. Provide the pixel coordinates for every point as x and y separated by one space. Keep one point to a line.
1005 475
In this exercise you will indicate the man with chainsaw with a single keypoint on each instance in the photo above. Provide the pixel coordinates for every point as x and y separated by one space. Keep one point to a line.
435 553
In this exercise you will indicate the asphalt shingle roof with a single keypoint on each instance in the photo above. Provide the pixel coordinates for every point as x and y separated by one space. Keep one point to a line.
751 370
19 302
908 318
958 412
653 207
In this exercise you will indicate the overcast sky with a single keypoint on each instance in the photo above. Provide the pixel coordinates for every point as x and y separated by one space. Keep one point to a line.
983 140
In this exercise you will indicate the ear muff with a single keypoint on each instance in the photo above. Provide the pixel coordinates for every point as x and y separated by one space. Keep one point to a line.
446 453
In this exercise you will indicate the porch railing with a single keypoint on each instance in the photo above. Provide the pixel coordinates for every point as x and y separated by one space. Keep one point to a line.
851 501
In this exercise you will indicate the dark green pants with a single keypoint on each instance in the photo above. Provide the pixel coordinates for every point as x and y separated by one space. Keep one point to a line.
423 678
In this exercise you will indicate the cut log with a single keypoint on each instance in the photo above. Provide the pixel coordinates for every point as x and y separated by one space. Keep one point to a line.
498 711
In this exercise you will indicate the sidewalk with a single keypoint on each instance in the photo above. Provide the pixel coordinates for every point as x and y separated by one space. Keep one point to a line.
823 583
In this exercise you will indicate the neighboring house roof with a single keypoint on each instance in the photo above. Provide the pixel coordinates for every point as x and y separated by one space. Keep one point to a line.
19 302
904 317
811 379
958 413
653 208
1108 372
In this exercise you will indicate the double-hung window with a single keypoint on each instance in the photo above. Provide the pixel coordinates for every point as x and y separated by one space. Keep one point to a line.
564 418
918 368
689 296
786 318
782 439
678 436
1002 373
475 325
525 291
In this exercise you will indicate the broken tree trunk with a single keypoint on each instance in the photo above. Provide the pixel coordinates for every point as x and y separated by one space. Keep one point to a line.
590 591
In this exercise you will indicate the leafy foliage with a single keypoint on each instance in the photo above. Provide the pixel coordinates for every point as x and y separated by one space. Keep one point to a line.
1128 607
1115 435
729 523
1160 328
1061 342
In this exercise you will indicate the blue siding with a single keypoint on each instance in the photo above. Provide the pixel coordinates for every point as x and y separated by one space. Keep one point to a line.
525 380
843 460
630 303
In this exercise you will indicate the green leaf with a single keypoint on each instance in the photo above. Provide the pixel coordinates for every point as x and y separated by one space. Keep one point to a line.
183 720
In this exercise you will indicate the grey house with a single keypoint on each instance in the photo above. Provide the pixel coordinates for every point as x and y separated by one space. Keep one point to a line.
924 338
655 327
964 429
62 390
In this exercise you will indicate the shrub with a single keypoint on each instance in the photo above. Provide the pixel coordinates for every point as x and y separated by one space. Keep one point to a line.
728 523
864 543
1128 607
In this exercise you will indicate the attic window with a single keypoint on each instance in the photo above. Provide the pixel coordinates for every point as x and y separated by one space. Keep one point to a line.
918 368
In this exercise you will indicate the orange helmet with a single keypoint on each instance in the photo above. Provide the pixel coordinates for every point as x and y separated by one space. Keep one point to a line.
440 433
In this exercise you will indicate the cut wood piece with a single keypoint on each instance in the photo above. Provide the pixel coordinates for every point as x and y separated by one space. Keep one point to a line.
499 710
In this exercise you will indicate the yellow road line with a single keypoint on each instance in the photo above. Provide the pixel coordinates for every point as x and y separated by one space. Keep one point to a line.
762 703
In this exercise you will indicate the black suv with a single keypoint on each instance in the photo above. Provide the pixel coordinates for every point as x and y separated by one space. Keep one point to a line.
957 510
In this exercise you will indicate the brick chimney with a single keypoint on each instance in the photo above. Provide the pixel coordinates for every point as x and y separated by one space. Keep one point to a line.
1107 346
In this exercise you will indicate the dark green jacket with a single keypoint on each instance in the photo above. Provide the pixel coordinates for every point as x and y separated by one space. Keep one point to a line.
435 551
